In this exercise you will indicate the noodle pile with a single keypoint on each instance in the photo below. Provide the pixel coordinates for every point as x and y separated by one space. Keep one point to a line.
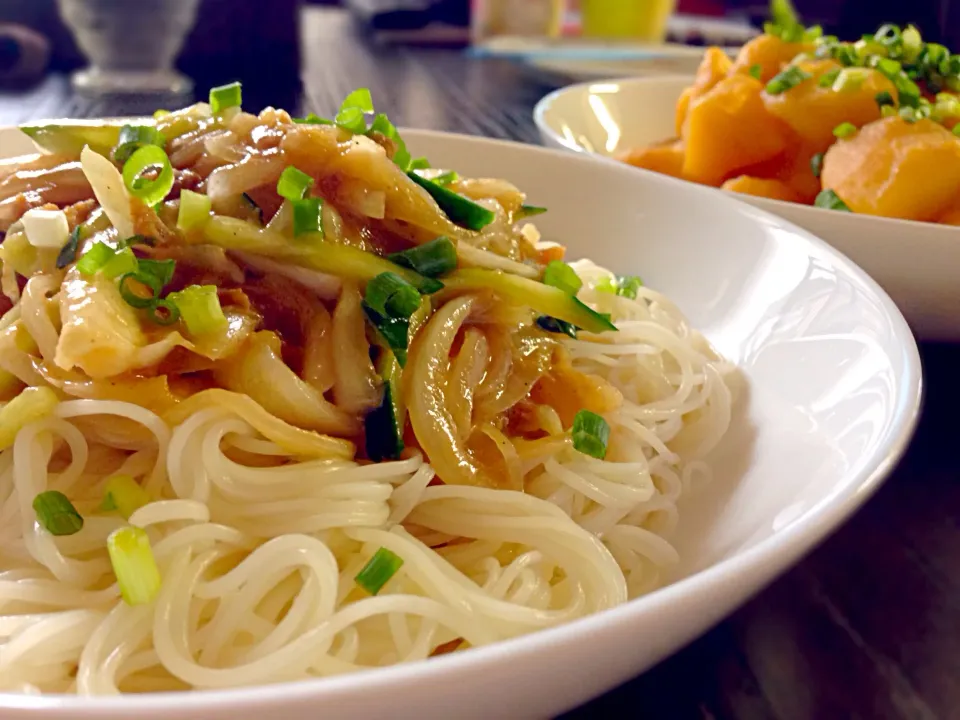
252 444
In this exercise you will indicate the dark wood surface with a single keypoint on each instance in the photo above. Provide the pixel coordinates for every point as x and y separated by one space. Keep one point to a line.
868 626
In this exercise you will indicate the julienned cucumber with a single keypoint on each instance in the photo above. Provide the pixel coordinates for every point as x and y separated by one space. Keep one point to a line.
544 299
383 425
459 209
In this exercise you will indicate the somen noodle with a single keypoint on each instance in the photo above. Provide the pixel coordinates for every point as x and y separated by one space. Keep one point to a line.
283 401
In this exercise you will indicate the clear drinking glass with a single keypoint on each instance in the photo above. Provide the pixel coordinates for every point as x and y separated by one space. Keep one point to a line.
131 44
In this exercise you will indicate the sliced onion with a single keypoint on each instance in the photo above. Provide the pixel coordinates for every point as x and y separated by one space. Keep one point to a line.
478 257
327 287
356 388
253 171
108 187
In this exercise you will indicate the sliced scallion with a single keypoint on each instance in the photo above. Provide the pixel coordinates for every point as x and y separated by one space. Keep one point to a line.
95 258
125 494
134 565
199 308
590 433
379 569
560 275
150 191
133 137
68 253
628 286
787 79
352 119
883 98
391 296
194 210
816 164
164 312
56 514
528 211
306 215
432 259
829 200
755 71
359 99
162 270
313 119
225 96
401 156
828 78
845 130
139 290
122 262
293 183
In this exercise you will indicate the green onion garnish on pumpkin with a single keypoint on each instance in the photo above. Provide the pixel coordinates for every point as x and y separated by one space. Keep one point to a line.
787 79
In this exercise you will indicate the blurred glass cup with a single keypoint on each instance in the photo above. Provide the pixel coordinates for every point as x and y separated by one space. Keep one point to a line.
644 20
131 44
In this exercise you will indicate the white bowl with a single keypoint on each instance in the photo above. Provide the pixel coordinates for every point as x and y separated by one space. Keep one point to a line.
916 263
833 387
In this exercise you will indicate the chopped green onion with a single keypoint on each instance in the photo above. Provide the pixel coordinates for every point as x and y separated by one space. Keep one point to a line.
152 191
164 312
162 270
432 259
560 275
912 43
134 565
956 130
606 285
200 308
194 210
527 211
458 208
377 572
828 78
829 200
352 119
122 262
133 137
787 79
359 99
293 183
56 514
95 258
845 130
445 178
124 494
394 331
816 164
628 286
551 324
313 119
391 296
225 96
420 163
306 215
131 293
590 434
756 72
68 253
401 156
884 98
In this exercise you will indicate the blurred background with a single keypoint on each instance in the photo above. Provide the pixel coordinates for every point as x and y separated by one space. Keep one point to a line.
151 47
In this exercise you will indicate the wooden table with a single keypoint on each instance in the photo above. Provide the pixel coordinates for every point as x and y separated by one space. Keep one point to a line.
866 627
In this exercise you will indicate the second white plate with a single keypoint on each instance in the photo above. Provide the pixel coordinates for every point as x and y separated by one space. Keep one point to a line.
916 263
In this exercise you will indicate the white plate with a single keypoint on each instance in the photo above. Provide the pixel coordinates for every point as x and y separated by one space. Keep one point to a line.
916 263
833 380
